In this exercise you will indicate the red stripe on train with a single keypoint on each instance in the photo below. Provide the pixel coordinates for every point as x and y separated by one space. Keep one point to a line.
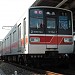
52 40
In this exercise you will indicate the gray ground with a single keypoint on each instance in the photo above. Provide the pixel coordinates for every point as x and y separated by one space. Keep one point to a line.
9 69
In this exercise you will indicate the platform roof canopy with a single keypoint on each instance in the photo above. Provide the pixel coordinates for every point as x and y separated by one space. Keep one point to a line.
67 4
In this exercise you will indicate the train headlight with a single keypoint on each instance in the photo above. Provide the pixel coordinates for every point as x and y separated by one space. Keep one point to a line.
34 39
68 40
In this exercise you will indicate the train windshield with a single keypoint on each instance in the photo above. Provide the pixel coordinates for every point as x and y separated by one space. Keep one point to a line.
50 21
36 21
65 23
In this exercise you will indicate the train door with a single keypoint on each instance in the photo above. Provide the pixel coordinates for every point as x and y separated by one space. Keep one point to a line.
24 30
51 32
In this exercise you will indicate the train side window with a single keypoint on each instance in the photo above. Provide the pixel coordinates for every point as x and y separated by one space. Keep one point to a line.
14 36
5 43
2 49
10 38
19 31
24 25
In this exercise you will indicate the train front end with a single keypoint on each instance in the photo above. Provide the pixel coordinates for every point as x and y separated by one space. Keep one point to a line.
50 30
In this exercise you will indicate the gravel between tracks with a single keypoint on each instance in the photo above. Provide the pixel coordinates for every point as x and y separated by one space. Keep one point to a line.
9 69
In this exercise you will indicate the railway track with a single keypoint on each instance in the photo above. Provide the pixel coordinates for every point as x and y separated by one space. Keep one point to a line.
55 71
44 71
36 71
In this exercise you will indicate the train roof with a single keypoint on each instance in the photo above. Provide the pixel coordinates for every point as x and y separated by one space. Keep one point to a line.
9 32
50 7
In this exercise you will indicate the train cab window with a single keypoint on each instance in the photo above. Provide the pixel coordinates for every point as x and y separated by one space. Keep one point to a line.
65 24
51 23
36 21
51 26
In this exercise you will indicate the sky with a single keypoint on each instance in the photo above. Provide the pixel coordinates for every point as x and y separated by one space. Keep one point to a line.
10 12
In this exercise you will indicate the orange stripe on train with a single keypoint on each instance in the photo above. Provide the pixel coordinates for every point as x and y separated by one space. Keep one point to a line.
26 41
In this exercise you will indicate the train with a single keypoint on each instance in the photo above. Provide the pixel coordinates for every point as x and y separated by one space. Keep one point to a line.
43 35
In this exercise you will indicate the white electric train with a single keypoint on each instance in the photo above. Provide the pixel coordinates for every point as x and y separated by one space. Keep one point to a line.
42 33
